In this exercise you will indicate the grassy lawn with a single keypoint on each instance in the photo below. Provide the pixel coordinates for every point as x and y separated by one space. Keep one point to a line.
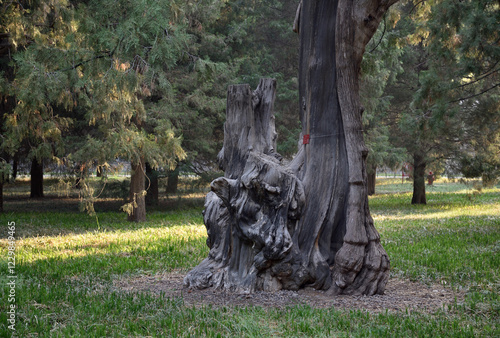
66 263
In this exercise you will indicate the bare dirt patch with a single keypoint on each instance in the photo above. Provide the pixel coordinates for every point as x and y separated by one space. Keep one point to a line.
400 295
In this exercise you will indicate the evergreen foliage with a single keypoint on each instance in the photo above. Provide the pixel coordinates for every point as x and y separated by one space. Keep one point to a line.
448 90
381 66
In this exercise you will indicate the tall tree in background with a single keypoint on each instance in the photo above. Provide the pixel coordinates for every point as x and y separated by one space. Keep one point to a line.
132 118
450 81
6 105
464 36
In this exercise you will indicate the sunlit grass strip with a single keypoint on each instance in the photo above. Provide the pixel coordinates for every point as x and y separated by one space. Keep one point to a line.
110 251
32 224
104 255
490 210
395 185
33 249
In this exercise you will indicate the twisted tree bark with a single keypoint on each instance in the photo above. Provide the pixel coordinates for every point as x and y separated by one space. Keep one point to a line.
274 225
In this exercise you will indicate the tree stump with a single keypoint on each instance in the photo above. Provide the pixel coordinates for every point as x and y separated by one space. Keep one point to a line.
251 210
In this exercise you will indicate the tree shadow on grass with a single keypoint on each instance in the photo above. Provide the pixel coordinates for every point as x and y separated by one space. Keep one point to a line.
54 203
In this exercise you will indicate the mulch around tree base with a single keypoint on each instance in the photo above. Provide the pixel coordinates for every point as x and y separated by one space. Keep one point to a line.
400 295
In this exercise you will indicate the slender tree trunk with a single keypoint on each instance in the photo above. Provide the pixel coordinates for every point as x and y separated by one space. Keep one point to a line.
99 171
15 165
418 179
137 196
488 180
4 178
152 182
372 178
78 183
36 179
80 174
173 181
1 197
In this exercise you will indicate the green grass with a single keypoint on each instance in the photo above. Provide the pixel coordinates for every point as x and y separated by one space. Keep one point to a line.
67 262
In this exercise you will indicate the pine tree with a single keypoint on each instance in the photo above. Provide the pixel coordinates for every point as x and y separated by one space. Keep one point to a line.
465 35
102 64
449 55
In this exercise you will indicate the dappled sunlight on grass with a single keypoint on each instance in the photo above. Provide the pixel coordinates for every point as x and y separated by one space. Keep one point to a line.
104 254
453 239
387 181
65 223
51 245
33 249
456 255
443 185
490 210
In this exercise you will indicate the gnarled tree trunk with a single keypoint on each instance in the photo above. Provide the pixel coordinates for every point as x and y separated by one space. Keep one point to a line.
274 225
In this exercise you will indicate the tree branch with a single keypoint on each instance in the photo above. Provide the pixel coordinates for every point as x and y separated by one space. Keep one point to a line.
383 34
470 97
81 63
477 80
296 22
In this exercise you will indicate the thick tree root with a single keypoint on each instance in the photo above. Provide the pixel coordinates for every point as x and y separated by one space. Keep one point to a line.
360 270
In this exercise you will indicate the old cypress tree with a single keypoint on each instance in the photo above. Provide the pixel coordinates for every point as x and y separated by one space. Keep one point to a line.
274 225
